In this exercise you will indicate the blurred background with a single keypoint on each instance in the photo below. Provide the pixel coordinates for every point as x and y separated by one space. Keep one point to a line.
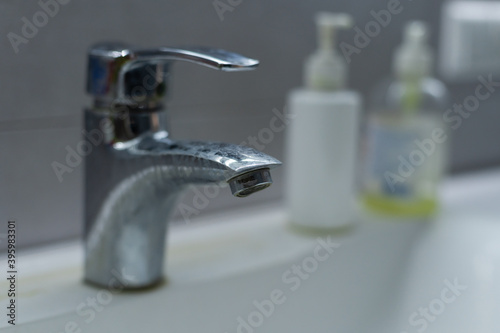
43 88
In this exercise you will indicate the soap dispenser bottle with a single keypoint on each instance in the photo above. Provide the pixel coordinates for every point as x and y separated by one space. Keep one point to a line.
407 140
322 137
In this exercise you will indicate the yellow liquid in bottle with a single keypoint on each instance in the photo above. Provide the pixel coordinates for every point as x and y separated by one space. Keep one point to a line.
398 207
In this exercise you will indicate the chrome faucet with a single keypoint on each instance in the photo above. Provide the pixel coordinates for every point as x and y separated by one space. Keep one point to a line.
134 173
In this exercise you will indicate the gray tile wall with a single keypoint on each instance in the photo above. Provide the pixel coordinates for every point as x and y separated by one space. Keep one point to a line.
42 88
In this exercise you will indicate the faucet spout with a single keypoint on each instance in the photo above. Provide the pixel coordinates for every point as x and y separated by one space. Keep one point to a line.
198 162
132 189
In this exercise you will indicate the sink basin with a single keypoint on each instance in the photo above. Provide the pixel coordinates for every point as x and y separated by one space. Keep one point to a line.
248 272
461 249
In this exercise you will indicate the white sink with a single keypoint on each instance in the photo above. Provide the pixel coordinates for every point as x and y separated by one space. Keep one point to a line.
235 274
463 247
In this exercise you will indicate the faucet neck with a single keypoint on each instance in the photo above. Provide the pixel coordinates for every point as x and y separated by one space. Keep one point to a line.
121 123
127 106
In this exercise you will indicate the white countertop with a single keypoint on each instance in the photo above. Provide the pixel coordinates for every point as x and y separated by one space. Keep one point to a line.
252 247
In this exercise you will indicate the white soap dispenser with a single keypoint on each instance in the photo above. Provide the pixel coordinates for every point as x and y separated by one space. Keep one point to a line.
322 137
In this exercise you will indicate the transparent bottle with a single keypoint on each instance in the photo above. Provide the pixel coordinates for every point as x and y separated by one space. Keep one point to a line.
407 138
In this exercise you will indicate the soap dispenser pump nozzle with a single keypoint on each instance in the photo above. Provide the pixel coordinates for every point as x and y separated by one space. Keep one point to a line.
326 69
414 58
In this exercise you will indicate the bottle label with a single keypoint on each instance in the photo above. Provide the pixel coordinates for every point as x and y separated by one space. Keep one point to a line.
403 160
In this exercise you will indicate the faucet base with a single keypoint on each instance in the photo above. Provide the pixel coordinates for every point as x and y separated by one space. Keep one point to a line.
121 284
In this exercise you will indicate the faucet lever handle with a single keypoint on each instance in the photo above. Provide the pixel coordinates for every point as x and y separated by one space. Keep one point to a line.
209 57
118 73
